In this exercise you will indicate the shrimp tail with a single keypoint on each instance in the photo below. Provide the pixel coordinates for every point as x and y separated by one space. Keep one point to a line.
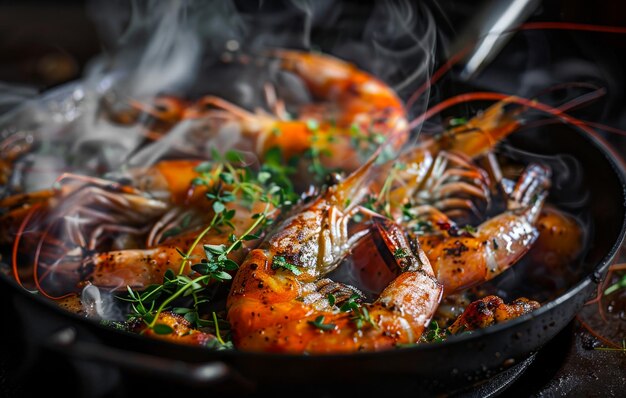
531 191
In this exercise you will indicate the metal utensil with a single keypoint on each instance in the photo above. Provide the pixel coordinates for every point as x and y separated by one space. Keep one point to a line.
489 31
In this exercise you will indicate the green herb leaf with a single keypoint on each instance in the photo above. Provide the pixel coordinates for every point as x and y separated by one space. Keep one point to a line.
218 207
169 275
457 121
233 156
264 176
204 167
312 125
191 317
172 232
281 262
469 229
227 178
214 249
221 276
161 328
230 265
435 334
620 284
319 323
351 304
400 253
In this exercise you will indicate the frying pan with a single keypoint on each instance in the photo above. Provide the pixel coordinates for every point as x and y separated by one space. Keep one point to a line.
46 339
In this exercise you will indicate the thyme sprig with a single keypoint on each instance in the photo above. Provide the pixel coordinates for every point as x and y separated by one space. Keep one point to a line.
620 284
213 267
224 183
316 152
365 143
435 333
280 262
319 324
360 314
620 349
383 201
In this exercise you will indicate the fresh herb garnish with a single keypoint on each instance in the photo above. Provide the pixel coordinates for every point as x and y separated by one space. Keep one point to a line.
224 184
400 253
281 262
361 317
331 299
365 142
457 121
435 334
351 304
469 229
383 201
161 328
621 349
315 153
219 343
620 284
319 323
360 314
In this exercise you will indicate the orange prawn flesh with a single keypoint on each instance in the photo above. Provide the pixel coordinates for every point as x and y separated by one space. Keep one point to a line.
275 303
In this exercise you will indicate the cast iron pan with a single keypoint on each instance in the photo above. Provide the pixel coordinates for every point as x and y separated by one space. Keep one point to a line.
50 337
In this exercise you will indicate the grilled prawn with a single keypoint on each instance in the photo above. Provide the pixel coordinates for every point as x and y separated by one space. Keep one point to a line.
463 258
489 311
113 234
280 302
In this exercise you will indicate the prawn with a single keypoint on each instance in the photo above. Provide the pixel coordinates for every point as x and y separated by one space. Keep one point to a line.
279 300
139 268
440 171
489 311
182 332
353 107
160 200
464 258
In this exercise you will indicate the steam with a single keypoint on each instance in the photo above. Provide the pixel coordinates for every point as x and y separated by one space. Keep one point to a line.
100 305
190 49
178 48
161 47
12 95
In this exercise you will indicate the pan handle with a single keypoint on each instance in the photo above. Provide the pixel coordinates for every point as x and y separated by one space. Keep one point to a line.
65 342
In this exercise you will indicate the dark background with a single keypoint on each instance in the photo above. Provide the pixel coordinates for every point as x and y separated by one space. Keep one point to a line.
44 44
